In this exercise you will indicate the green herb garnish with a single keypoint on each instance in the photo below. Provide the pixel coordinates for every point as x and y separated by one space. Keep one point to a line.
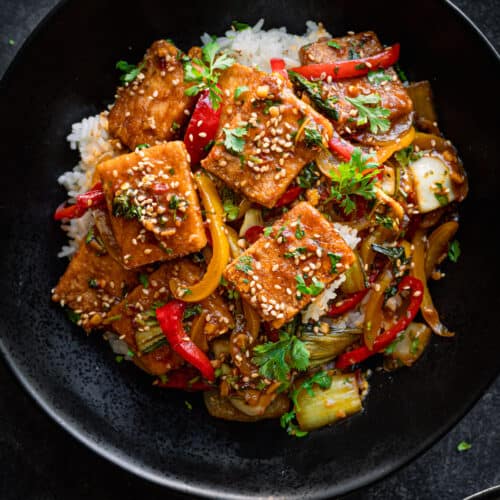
454 251
312 137
191 311
378 76
376 116
333 44
308 176
464 446
234 142
335 258
144 280
123 207
240 90
130 71
231 210
244 264
314 289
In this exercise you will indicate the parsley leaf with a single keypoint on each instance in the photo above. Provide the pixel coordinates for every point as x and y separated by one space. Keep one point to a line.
378 76
299 232
314 289
230 209
203 72
333 44
276 359
144 280
401 73
376 116
335 258
130 71
191 311
355 177
240 26
454 251
295 253
313 90
407 155
123 207
142 146
240 90
463 446
440 197
244 264
308 176
384 221
268 230
312 137
234 141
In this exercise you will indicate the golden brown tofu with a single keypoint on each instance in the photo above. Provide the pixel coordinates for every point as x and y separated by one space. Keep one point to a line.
393 95
266 136
154 106
153 206
282 272
138 305
92 284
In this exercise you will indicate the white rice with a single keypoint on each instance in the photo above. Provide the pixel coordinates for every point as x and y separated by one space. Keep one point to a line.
91 138
319 306
349 234
255 46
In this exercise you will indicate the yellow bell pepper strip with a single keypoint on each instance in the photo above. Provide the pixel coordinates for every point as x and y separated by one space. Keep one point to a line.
373 311
385 152
396 207
429 311
232 238
220 245
439 242
384 339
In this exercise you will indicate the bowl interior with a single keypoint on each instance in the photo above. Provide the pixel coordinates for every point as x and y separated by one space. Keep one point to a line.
66 72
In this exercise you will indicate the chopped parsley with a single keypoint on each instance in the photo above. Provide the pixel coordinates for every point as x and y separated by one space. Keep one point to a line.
239 26
234 141
11 42
129 71
314 289
401 73
376 116
335 258
119 359
189 406
313 90
463 446
299 232
392 346
123 207
191 311
378 76
268 230
333 44
355 177
295 253
407 155
287 419
143 146
384 221
440 197
308 176
312 137
276 359
175 126
230 209
72 316
204 72
144 280
454 251
92 282
414 346
240 90
244 264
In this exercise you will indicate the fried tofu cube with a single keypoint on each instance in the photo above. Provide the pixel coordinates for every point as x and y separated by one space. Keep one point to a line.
284 270
153 206
266 135
91 285
393 95
154 106
133 313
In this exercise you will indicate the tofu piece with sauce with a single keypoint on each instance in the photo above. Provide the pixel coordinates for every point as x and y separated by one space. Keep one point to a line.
388 86
133 316
266 135
282 272
92 284
152 203
154 106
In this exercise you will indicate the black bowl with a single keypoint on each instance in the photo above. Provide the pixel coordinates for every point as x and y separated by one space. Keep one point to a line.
65 72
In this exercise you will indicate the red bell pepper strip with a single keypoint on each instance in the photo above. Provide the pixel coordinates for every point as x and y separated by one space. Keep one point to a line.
186 379
341 147
170 317
288 196
91 199
347 304
253 233
202 128
278 66
351 68
385 338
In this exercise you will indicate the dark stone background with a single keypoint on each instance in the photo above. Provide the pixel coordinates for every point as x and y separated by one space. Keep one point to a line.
38 460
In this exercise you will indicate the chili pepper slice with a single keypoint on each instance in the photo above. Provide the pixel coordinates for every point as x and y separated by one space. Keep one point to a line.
202 128
351 68
385 338
91 199
341 147
253 233
170 317
186 379
288 196
278 66
347 304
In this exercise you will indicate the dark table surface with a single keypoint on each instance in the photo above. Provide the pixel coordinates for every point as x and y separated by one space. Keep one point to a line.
38 460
